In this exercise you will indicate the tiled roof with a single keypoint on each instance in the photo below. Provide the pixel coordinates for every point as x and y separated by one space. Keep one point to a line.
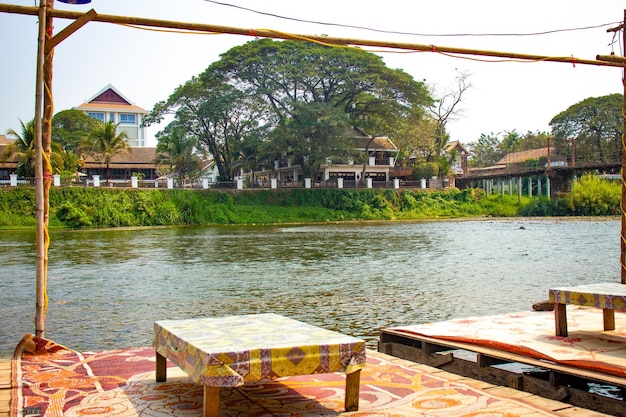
523 156
377 143
138 157
455 145
111 106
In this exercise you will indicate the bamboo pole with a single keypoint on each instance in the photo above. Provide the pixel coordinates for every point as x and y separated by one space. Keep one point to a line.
623 231
268 33
40 299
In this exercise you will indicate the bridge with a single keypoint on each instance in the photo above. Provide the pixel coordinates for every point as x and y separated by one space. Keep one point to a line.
533 178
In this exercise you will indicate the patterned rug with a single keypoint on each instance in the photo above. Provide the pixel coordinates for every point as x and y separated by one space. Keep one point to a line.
532 334
51 380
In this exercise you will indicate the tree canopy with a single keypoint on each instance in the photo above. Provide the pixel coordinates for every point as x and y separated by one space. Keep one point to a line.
595 124
267 85
70 127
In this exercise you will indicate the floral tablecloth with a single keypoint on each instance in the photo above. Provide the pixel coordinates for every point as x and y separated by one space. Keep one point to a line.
229 351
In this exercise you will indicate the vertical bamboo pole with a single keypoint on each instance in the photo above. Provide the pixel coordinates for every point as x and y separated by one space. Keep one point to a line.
623 234
40 313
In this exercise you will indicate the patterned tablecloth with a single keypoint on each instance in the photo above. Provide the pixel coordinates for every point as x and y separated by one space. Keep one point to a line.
602 295
228 351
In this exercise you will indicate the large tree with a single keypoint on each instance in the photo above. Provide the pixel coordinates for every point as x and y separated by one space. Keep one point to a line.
595 125
217 114
70 127
290 72
314 134
447 108
266 84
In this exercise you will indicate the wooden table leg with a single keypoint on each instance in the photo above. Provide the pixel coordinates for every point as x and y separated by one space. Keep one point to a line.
560 319
211 406
353 382
161 368
608 315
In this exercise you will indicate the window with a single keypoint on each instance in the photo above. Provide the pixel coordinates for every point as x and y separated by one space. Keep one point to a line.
112 117
96 115
128 119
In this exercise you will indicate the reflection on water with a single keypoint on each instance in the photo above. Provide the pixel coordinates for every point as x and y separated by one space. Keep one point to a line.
107 287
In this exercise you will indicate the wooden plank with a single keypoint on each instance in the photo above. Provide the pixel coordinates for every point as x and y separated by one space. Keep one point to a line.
608 316
5 386
570 386
581 412
512 357
211 407
560 319
161 368
353 382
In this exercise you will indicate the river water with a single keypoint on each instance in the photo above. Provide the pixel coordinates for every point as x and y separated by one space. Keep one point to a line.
107 287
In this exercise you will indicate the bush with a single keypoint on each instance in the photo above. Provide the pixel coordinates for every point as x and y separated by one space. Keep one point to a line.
425 170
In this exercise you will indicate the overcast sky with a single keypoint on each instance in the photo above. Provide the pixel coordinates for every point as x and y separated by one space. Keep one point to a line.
146 66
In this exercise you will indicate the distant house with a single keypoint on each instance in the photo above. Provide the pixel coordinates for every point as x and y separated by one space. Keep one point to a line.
459 164
381 155
9 166
109 104
124 165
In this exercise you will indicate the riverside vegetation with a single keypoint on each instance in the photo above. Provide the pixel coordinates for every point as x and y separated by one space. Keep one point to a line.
78 207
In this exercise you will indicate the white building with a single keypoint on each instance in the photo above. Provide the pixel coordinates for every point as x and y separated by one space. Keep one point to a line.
109 104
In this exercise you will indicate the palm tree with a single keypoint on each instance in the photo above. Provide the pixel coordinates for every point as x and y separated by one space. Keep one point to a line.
23 150
103 143
177 149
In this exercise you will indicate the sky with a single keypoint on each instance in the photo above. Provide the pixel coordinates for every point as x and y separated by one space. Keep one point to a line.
147 66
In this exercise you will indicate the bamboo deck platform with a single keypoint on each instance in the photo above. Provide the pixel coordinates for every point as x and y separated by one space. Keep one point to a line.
560 408
563 383
5 386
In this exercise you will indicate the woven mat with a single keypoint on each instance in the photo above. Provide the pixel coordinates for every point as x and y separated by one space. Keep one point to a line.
52 380
532 333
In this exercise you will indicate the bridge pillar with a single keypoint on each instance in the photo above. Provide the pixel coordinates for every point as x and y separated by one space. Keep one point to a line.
539 187
560 182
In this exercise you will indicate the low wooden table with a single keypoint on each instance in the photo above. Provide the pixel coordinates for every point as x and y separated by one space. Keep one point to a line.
607 296
229 351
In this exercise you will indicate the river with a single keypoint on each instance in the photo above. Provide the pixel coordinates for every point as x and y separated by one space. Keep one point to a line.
107 287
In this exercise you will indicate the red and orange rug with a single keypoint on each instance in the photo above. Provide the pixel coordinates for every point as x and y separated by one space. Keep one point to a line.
51 380
532 333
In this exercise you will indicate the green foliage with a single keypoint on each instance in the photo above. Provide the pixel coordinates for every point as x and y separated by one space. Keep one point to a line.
594 196
71 127
79 207
595 125
590 196
426 170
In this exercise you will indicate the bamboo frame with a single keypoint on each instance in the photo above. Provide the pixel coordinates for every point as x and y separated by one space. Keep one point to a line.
267 33
46 44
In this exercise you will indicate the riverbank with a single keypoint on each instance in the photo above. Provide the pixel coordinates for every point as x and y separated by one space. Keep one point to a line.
99 207
76 208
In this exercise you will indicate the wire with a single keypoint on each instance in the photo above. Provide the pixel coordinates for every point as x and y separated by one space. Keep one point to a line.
548 32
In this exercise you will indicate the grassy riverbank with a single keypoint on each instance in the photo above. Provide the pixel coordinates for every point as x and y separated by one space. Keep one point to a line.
77 207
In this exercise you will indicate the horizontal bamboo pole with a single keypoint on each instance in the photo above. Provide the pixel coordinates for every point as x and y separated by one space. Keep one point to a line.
268 33
612 58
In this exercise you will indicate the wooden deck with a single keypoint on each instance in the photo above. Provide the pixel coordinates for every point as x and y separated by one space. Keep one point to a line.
5 386
556 406
558 382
